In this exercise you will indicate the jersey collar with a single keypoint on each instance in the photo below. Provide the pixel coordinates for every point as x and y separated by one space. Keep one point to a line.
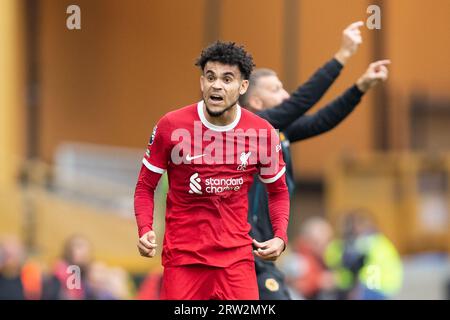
214 127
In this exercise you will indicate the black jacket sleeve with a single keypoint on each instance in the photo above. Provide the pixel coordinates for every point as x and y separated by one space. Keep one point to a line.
326 118
304 97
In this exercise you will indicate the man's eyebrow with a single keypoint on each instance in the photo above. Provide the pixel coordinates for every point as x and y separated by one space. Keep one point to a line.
228 73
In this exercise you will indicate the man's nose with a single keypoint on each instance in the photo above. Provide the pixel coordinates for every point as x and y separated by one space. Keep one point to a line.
217 85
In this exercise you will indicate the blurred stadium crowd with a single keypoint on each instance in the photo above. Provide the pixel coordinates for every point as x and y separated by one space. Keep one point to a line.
354 262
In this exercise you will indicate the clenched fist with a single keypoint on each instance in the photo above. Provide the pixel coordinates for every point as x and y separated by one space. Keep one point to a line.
147 245
270 249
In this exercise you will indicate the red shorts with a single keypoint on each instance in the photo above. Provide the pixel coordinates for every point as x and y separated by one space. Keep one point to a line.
201 282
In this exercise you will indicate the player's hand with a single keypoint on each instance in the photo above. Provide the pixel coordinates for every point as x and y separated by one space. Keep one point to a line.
351 39
376 73
270 249
147 245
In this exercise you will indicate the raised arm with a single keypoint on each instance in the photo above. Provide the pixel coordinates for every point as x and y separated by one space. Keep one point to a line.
304 97
336 111
310 92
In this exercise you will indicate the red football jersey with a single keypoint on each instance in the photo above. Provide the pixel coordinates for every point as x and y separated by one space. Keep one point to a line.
210 169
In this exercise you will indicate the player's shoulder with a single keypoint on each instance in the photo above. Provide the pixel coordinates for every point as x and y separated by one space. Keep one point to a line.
254 120
179 114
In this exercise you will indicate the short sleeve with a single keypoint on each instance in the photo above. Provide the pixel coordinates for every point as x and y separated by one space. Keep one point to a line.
270 155
157 154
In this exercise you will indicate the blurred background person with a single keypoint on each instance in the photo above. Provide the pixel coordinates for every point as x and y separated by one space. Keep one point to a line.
107 283
20 278
306 272
366 264
77 251
97 281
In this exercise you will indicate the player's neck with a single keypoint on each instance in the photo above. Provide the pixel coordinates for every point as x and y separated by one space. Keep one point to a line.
225 119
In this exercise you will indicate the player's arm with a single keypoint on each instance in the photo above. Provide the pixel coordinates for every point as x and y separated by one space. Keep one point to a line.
154 164
143 210
279 217
272 174
310 92
336 111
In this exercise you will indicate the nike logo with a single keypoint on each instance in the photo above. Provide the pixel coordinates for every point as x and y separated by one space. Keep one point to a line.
189 158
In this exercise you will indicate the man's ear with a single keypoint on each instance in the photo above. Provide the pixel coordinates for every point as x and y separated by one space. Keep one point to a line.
202 78
243 88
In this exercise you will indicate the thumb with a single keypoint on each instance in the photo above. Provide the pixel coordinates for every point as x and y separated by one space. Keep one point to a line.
381 63
259 244
151 236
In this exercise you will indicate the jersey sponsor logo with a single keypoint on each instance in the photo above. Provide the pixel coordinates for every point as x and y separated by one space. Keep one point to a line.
272 284
278 147
244 161
190 158
194 184
214 185
219 185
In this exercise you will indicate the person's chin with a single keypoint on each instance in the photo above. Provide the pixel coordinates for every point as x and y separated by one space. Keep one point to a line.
214 111
215 108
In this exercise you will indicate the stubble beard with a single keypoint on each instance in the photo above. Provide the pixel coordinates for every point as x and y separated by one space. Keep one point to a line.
217 114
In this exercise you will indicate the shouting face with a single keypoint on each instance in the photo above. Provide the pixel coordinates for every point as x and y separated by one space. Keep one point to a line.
221 86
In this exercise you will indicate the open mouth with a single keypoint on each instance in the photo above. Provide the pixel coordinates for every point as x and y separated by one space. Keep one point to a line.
216 98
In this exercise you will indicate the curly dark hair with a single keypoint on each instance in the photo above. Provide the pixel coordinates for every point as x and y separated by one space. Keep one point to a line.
227 53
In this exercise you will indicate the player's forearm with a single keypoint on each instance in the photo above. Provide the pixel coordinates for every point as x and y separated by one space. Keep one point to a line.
144 199
279 207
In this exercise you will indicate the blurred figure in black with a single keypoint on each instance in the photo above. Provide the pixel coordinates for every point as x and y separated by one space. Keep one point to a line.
268 99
